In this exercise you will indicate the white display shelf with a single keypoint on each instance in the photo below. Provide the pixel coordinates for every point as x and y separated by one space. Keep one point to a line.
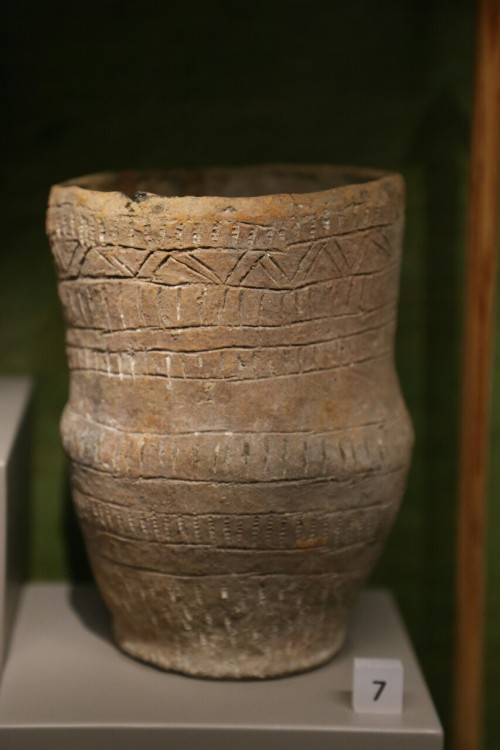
65 685
15 401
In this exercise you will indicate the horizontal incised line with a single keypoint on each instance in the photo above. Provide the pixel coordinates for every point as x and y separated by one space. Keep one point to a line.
246 551
93 280
214 326
248 482
173 331
151 571
236 515
232 378
237 433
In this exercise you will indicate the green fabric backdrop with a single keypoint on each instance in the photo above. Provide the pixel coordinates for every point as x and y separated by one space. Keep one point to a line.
383 83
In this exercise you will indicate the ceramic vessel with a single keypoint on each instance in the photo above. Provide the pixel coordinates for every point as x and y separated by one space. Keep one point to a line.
238 441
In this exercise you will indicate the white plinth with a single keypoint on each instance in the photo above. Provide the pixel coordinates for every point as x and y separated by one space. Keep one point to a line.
15 395
65 685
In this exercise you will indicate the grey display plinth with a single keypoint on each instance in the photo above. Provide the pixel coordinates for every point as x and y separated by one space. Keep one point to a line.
65 684
15 399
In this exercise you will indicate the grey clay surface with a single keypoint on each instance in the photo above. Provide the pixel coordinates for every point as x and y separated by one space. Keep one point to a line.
238 440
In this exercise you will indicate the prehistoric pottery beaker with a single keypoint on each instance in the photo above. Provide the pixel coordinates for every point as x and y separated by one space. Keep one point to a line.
238 440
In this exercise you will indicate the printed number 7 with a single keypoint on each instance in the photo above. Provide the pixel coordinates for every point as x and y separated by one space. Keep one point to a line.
381 685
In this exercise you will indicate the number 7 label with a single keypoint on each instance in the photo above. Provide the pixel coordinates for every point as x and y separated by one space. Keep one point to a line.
381 685
377 686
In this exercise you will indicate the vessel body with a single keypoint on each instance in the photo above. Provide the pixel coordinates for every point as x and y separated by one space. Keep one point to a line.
238 440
